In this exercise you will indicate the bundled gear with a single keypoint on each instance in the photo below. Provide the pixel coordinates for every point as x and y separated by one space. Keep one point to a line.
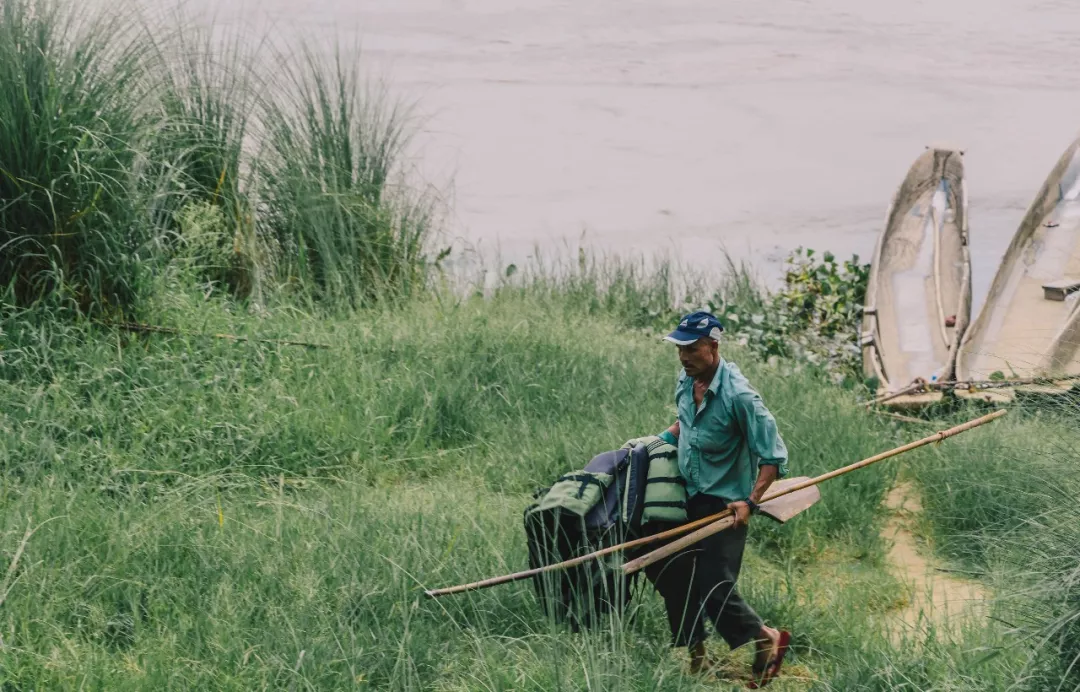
619 495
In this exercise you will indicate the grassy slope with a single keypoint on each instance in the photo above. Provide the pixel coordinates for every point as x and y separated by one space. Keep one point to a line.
1003 507
241 516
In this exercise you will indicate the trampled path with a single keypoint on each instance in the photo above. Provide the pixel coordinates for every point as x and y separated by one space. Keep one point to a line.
936 597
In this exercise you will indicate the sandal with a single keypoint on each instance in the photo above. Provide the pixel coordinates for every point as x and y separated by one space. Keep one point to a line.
773 667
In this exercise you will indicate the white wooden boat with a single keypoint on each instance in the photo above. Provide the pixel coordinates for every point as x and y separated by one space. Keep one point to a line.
1029 326
918 301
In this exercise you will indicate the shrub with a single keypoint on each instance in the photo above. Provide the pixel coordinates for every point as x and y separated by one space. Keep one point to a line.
72 117
335 211
209 105
813 318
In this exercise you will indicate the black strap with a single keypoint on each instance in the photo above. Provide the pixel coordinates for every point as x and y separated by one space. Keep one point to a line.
585 479
680 505
666 479
656 445
582 477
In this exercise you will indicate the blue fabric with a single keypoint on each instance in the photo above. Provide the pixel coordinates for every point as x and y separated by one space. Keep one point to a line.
724 441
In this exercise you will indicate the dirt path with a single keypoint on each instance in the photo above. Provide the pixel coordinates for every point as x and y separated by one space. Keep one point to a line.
935 596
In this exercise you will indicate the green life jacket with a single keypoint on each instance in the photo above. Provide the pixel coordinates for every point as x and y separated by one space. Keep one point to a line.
595 507
665 488
613 499
576 493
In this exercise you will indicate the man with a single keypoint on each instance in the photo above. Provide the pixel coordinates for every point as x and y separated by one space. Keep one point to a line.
729 454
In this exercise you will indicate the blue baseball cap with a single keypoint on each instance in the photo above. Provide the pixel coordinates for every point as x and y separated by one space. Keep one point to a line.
696 325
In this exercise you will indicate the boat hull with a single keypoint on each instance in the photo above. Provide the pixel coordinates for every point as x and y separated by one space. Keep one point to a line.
1025 331
918 301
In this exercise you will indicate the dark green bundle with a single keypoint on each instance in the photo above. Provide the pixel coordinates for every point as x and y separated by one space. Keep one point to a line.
615 498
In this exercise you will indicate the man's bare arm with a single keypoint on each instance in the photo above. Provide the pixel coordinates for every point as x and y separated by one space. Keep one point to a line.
766 475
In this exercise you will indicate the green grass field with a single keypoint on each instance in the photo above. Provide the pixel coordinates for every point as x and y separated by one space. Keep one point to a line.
218 515
189 512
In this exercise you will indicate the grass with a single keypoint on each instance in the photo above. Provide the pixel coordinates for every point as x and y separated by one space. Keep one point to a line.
72 117
343 223
1004 508
114 127
266 515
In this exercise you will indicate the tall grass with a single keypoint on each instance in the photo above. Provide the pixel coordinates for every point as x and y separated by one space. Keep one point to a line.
267 514
116 132
209 100
1005 507
73 121
336 208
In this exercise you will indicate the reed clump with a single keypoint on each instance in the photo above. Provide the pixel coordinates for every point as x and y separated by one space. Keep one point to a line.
116 131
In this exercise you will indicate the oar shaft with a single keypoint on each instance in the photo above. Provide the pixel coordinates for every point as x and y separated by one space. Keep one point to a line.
525 574
705 521
717 526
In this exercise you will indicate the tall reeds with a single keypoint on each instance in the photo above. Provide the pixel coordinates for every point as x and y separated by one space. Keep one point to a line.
112 126
336 209
73 119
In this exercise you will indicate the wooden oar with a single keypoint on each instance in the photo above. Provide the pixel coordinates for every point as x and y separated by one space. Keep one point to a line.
704 521
728 520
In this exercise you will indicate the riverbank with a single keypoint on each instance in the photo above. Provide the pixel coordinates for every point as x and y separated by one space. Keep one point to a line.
322 421
267 515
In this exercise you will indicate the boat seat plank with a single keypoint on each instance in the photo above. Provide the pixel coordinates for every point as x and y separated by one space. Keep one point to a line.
1059 290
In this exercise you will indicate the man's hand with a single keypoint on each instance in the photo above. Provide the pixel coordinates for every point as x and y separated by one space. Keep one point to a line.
742 512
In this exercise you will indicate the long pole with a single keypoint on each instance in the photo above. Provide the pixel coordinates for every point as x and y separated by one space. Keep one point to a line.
728 520
133 327
967 385
705 521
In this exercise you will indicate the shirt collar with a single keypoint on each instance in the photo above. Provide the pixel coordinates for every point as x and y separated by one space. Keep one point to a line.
714 386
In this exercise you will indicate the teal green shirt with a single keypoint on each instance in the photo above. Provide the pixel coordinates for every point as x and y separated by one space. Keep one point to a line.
723 441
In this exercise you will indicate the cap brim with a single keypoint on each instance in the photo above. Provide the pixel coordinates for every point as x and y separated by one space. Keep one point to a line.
681 338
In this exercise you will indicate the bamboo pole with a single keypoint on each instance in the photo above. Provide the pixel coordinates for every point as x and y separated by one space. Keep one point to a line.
150 328
728 519
704 521
910 389
968 385
525 574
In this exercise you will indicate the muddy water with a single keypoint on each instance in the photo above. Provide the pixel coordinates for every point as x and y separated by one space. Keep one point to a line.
691 126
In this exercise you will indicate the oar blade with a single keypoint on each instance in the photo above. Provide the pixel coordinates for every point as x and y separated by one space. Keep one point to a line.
784 508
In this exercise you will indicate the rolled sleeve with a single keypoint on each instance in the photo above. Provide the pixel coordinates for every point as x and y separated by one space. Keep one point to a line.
762 435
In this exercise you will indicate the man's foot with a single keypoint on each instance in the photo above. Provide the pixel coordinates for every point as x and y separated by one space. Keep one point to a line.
772 646
699 662
766 646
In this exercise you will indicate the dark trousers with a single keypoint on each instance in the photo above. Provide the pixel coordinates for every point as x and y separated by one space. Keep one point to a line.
699 582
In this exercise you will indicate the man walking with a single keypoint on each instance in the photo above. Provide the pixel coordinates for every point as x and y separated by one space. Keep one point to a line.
729 453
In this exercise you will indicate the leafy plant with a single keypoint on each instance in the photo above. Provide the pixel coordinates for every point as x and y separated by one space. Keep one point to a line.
208 249
813 318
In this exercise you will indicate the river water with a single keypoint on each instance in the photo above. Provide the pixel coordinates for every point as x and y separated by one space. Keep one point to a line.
694 127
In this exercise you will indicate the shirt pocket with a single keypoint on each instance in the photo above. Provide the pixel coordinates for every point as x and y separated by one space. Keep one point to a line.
718 433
